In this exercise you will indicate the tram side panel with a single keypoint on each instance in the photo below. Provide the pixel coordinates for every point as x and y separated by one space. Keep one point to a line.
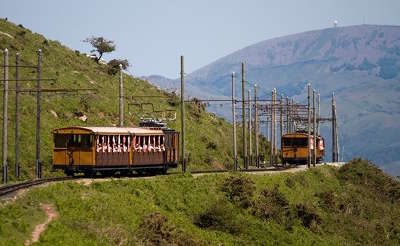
113 150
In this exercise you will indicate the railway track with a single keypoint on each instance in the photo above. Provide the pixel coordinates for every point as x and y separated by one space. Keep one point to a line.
8 189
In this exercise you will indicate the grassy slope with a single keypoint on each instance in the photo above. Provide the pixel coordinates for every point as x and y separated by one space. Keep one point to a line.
74 70
364 210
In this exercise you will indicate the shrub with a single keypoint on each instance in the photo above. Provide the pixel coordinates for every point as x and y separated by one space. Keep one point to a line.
292 180
113 66
327 200
155 229
219 216
238 189
307 216
211 145
271 204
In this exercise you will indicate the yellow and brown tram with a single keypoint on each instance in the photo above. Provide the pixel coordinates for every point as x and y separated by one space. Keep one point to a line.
294 147
114 149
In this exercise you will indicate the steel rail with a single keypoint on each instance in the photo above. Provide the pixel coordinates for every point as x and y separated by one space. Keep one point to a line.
9 189
15 187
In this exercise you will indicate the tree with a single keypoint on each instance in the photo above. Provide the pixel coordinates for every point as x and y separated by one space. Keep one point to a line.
101 46
113 65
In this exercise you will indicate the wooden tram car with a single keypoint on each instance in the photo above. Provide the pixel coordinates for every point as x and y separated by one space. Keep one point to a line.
295 148
114 149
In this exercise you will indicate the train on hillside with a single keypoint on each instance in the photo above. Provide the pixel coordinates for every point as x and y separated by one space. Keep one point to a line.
294 148
151 147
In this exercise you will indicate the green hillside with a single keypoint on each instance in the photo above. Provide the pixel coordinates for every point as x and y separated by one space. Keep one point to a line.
356 204
209 138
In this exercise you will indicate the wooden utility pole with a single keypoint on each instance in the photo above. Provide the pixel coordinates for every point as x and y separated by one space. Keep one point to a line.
287 114
183 116
275 128
318 111
235 161
281 123
17 164
292 115
38 94
5 118
271 157
250 124
308 126
245 163
121 98
314 130
256 126
335 153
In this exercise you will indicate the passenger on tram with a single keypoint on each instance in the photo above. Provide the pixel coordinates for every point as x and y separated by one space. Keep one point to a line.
158 148
124 146
145 144
151 145
98 145
138 147
162 145
103 142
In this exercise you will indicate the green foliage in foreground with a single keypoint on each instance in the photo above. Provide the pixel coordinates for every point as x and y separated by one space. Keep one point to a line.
209 138
324 205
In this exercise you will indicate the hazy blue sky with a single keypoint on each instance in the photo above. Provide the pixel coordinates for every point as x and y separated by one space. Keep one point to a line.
153 34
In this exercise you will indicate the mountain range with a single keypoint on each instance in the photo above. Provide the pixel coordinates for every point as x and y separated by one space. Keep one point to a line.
360 64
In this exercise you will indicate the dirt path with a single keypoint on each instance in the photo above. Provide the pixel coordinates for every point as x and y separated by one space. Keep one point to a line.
51 214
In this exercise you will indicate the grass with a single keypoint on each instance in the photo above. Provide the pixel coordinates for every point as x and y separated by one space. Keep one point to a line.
319 206
209 138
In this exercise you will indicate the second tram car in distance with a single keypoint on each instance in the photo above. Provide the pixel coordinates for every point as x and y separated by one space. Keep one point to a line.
115 149
295 148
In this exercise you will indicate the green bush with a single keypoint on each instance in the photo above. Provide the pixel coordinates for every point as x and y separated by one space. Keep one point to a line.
238 189
219 216
271 204
327 200
307 216
155 229
113 66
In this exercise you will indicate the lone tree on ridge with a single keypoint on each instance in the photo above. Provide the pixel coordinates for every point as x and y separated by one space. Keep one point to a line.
100 45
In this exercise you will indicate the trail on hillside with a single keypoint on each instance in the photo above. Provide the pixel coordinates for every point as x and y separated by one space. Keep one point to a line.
51 214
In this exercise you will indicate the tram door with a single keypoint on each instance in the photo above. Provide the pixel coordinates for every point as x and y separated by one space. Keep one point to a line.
73 149
79 149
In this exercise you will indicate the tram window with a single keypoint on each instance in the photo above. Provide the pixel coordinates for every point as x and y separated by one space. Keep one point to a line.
86 141
81 141
295 142
287 142
300 142
60 140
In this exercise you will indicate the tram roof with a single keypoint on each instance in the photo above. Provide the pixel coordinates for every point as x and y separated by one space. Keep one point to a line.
111 130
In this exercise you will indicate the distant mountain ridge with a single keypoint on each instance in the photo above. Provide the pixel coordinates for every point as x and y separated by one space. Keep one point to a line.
361 64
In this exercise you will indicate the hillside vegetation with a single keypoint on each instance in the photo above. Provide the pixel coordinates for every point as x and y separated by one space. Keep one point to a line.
209 138
354 204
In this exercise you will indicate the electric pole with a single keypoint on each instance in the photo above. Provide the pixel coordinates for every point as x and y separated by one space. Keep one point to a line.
235 161
245 163
183 116
5 118
121 98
